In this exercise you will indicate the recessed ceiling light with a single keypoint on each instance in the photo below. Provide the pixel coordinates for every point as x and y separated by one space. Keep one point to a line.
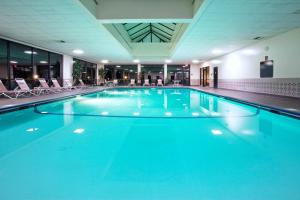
136 61
104 61
217 51
30 52
168 61
195 61
78 51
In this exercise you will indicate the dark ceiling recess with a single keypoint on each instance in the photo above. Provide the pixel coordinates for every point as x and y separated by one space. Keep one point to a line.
150 32
257 38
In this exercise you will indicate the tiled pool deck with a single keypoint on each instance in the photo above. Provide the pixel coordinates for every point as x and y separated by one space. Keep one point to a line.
288 104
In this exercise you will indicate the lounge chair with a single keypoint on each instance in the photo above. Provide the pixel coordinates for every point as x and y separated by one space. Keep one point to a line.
82 85
23 88
176 82
44 85
7 93
132 82
115 82
146 82
69 85
159 82
57 86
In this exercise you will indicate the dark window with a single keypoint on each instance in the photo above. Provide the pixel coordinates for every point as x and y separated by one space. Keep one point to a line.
178 73
21 62
3 62
123 73
41 64
55 66
152 72
88 74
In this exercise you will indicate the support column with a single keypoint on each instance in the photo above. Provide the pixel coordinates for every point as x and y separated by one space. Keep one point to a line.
67 68
139 71
99 66
165 73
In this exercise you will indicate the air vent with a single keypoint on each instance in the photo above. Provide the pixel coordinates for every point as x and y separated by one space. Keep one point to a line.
257 38
297 12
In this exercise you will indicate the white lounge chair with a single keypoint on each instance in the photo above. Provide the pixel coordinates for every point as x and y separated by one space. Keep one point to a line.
176 83
44 85
82 85
146 82
23 88
159 82
132 82
57 86
69 85
115 82
7 93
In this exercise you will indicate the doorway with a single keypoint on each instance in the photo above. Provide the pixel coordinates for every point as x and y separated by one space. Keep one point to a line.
204 76
215 77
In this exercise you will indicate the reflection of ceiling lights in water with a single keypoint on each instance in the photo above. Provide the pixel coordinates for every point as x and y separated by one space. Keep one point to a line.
216 132
195 114
136 114
78 131
32 129
104 113
168 114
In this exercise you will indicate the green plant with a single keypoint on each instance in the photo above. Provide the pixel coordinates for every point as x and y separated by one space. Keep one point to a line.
77 70
101 73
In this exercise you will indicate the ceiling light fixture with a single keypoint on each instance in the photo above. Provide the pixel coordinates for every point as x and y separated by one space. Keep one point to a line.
104 61
195 61
136 61
168 61
78 51
216 61
30 52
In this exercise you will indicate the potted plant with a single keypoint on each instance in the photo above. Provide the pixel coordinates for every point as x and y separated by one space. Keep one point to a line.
101 73
77 70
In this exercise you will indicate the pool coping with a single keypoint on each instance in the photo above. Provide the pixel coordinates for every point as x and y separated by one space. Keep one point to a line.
273 109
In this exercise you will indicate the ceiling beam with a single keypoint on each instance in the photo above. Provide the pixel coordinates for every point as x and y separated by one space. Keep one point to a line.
166 26
168 34
133 27
140 35
138 31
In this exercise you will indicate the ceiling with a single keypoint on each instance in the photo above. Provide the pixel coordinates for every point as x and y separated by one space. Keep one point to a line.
150 32
227 25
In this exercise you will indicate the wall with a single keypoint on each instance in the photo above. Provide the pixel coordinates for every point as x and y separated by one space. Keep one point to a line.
195 74
240 70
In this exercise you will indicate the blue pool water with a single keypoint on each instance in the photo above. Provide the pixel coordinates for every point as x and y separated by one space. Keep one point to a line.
136 144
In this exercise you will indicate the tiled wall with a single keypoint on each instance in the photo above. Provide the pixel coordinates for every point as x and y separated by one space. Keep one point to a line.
275 86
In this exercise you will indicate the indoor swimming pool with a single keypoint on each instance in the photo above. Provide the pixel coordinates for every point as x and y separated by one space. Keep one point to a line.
148 143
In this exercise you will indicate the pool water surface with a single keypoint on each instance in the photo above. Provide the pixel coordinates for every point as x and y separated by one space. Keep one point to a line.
148 144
